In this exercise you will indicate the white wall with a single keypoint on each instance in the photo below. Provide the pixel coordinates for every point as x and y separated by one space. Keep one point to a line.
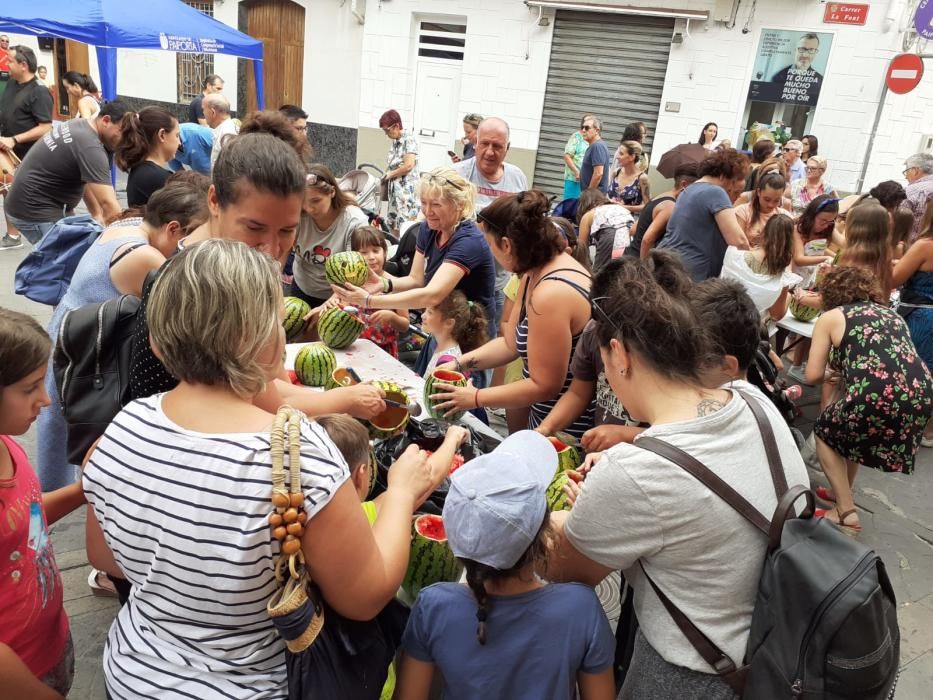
504 67
333 62
43 58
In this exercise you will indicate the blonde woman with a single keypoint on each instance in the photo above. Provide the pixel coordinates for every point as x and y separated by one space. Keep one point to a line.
630 186
805 190
179 496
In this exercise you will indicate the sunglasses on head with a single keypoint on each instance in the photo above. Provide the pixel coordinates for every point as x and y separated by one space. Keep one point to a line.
312 180
603 316
431 177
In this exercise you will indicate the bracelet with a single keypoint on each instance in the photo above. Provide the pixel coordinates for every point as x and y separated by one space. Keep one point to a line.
391 283
366 304
15 140
385 285
476 399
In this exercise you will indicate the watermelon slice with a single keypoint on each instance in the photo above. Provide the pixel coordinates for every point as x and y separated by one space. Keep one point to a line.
455 463
430 558
568 456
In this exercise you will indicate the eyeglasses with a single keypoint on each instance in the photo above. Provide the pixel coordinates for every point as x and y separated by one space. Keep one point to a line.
813 167
488 222
594 305
431 177
810 52
907 170
586 127
789 150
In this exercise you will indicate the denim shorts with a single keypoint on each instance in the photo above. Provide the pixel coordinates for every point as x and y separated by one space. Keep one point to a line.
34 231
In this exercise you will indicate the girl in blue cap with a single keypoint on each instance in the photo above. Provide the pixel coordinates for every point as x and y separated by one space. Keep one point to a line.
507 633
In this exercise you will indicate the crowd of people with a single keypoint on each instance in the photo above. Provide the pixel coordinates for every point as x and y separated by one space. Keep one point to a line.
636 317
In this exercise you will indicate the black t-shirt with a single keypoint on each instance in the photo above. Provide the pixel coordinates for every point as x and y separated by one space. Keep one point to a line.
644 221
195 110
23 107
144 179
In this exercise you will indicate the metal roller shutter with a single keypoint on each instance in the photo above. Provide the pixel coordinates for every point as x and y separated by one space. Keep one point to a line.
610 65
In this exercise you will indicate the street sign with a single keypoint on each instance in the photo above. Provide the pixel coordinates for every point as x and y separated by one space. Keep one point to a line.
904 73
845 13
923 19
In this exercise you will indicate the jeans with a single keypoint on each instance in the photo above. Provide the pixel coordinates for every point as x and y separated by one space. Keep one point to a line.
52 465
34 231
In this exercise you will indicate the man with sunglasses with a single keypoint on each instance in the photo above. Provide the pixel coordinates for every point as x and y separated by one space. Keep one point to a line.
796 169
594 172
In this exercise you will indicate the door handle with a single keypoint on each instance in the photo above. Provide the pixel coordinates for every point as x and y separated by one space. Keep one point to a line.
426 132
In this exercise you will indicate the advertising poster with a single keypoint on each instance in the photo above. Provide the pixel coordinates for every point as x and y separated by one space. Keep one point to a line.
789 66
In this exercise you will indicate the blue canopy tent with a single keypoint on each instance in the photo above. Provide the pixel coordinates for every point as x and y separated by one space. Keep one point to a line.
167 25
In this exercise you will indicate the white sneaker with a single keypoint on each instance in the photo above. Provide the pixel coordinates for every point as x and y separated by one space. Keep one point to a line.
799 373
926 442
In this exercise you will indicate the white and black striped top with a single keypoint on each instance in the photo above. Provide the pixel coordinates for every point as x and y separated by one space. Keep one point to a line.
185 515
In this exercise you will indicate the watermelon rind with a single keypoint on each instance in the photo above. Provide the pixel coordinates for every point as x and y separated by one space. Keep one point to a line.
568 456
429 561
314 363
338 328
555 495
802 312
294 322
340 377
444 376
347 266
393 420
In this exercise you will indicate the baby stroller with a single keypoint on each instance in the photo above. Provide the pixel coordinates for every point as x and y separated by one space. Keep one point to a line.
763 374
366 188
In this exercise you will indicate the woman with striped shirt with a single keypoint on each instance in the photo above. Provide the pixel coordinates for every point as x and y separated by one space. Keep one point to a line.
544 329
179 490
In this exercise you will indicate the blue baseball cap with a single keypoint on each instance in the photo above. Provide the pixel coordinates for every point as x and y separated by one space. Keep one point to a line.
496 502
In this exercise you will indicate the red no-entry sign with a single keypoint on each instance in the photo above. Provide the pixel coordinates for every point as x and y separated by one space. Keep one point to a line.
904 73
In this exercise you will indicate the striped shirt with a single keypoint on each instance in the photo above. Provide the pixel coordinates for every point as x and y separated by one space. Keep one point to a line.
185 515
541 409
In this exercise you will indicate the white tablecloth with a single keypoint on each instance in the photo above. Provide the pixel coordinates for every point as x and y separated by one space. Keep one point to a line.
802 328
371 362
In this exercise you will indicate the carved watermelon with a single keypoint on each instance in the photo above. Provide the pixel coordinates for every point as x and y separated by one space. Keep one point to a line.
393 420
446 376
314 363
348 266
295 311
802 312
339 328
430 558
340 377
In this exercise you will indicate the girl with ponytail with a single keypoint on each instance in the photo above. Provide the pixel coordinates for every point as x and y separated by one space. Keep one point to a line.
82 87
506 633
148 141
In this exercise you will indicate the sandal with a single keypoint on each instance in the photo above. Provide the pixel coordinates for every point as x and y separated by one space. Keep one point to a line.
101 584
851 530
824 494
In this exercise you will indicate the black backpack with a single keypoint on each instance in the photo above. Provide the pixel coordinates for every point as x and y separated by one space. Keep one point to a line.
825 619
91 365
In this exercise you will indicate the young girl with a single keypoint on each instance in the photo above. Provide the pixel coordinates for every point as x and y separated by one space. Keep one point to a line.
457 325
507 633
149 139
383 326
813 236
36 653
766 202
763 270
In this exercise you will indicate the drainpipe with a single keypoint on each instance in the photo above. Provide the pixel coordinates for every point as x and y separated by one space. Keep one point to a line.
735 13
356 13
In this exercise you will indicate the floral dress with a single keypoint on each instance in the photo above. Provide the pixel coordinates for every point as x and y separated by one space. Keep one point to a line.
403 195
800 196
888 392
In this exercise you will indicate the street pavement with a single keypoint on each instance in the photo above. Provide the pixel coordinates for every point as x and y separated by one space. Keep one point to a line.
895 512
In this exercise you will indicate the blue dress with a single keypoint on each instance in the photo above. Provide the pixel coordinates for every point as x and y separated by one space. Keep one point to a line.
917 308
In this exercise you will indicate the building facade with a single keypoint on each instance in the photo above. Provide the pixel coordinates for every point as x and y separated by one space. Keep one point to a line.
674 64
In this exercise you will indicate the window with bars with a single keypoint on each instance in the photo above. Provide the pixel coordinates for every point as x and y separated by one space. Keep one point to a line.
193 68
442 40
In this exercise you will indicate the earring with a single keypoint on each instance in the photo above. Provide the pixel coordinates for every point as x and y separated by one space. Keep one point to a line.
623 371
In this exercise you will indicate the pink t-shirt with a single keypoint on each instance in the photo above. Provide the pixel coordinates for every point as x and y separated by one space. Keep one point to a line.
32 620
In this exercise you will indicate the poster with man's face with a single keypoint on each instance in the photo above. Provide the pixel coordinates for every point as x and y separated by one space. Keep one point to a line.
789 66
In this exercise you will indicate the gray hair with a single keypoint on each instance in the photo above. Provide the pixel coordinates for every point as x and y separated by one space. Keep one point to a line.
795 145
213 313
924 161
217 102
597 122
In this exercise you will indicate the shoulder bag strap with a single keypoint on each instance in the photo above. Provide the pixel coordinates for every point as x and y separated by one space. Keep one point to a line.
712 654
706 477
771 448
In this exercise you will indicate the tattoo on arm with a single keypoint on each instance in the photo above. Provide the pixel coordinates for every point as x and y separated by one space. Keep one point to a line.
708 407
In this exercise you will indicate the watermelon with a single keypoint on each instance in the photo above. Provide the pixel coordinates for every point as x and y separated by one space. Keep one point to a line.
339 328
348 266
455 463
556 498
295 311
447 376
430 558
340 377
568 456
314 363
393 420
800 311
